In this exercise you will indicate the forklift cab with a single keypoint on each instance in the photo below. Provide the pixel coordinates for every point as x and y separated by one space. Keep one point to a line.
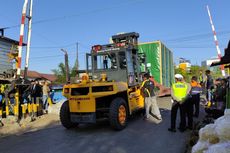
120 60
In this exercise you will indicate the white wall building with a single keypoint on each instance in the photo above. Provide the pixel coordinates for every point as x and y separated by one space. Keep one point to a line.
208 62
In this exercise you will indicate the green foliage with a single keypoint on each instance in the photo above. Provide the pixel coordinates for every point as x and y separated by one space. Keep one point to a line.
73 71
195 71
60 72
182 72
216 73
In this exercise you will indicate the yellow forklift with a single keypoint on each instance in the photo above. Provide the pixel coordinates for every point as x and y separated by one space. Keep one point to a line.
110 88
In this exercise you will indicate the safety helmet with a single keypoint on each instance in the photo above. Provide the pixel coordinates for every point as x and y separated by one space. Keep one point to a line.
178 76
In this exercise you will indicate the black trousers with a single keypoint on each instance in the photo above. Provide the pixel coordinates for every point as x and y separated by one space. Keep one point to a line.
182 108
196 101
189 112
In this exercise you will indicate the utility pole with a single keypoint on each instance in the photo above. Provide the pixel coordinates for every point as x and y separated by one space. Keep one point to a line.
28 39
66 66
77 63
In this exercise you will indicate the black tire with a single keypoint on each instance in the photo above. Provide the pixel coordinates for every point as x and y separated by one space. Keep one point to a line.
65 116
114 113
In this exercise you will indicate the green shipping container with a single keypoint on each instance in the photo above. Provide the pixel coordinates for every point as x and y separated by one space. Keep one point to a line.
161 60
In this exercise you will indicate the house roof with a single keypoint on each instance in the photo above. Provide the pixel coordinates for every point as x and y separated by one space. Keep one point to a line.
50 77
37 75
6 39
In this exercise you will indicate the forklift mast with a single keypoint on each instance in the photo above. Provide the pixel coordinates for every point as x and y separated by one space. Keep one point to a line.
119 60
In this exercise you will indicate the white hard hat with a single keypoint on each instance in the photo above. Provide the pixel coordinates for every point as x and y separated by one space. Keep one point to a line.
178 76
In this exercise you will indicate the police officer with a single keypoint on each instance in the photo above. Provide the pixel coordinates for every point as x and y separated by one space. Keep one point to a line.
147 89
179 92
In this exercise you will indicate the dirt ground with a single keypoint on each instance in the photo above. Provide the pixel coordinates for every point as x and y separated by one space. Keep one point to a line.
11 126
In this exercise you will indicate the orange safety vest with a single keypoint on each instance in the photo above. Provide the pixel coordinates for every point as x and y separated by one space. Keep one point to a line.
196 88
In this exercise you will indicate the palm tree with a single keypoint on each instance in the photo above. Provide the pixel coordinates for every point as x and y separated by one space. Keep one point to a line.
60 73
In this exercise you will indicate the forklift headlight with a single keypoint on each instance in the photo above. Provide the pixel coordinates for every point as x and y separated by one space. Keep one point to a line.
66 90
85 77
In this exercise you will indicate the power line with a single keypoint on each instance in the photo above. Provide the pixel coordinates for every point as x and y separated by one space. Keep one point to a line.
79 14
179 39
191 47
196 37
67 45
50 56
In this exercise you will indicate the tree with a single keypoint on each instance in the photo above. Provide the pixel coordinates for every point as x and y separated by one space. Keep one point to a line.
216 72
60 72
182 72
73 72
194 71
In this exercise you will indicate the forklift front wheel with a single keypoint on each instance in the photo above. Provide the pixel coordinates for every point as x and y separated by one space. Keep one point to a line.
65 116
118 114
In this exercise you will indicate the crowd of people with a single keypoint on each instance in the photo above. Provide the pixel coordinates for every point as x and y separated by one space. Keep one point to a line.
35 93
186 97
38 91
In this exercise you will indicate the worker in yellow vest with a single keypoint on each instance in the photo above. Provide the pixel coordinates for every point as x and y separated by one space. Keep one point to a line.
179 93
151 107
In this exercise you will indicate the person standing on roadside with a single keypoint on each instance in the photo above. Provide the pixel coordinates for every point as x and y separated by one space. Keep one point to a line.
201 80
194 99
36 91
195 93
45 92
147 89
179 93
209 85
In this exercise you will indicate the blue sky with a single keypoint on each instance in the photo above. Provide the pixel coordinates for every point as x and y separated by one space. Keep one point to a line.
183 26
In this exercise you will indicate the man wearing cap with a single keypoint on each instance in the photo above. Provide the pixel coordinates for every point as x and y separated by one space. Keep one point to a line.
147 89
179 92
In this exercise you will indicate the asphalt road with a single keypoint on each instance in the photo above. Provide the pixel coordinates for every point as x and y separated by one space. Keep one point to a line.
139 137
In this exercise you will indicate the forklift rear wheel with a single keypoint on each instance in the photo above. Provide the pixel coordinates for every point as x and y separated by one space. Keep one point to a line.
65 116
118 114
